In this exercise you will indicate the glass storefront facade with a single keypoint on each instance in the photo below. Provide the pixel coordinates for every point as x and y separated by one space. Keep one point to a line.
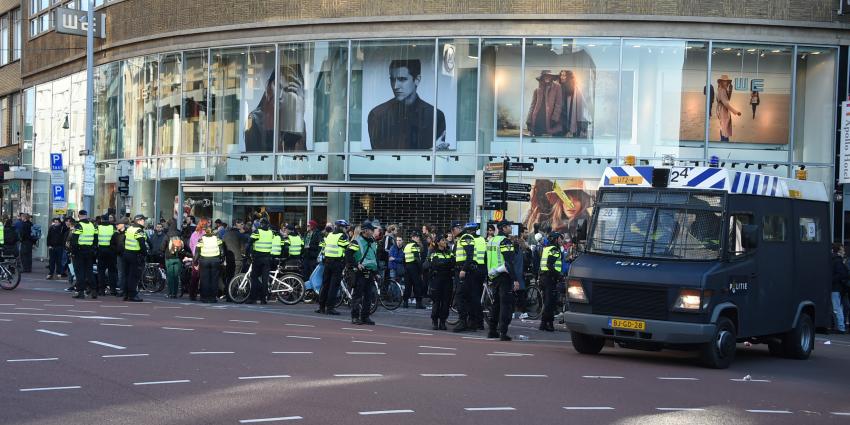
290 126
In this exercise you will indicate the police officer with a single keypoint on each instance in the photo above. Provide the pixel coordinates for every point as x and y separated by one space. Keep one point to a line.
260 247
277 248
413 270
135 250
442 274
550 273
503 277
365 263
82 246
106 261
470 252
335 245
209 254
293 245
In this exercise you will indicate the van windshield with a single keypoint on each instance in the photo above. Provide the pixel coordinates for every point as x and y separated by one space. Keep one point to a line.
655 232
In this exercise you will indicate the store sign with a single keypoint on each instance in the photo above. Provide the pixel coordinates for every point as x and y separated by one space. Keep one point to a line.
70 21
844 156
746 84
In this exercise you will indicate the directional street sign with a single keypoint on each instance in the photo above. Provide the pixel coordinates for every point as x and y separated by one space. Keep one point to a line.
518 197
513 187
495 205
520 166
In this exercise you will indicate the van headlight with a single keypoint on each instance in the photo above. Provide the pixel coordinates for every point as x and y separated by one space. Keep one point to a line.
575 291
688 300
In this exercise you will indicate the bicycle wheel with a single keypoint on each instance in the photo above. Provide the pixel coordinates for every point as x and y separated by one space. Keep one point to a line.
533 302
310 296
148 279
341 297
373 307
391 295
291 289
10 276
454 317
487 305
239 288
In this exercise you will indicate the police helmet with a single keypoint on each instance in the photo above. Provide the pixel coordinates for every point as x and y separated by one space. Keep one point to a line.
470 226
290 227
342 223
554 236
264 224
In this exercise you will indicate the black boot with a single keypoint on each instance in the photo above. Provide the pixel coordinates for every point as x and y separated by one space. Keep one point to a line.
79 295
505 337
405 304
443 325
550 327
419 305
368 321
461 327
543 326
492 334
320 310
433 322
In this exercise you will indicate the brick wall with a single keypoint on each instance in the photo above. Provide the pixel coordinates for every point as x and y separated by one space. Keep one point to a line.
411 210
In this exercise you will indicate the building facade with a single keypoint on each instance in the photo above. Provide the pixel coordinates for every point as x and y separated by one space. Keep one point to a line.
380 109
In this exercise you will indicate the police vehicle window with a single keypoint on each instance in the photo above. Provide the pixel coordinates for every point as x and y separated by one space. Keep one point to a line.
773 228
736 236
809 229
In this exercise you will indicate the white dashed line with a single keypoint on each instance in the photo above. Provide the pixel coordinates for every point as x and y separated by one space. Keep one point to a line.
302 337
59 305
442 375
54 321
39 301
135 314
358 375
769 411
284 418
436 354
601 377
369 342
47 359
109 356
239 333
177 329
114 306
436 348
588 408
384 412
416 333
5 320
300 326
116 324
473 337
357 329
265 377
8 305
840 413
666 378
680 409
365 353
75 387
189 317
80 311
50 332
502 354
212 352
292 352
29 308
244 321
158 307
487 409
105 344
750 380
179 381
509 375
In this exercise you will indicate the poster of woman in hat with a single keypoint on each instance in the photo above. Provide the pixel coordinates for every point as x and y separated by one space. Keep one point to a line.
562 207
724 107
544 113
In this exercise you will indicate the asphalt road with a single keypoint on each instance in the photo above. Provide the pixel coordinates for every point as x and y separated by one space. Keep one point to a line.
67 361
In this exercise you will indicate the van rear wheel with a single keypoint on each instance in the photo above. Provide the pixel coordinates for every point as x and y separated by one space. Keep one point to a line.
799 342
587 344
720 351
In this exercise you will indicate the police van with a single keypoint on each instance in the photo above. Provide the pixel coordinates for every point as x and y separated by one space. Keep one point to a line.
702 258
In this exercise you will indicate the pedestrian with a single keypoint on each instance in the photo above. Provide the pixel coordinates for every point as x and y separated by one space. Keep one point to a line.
118 242
9 239
68 258
396 259
335 249
26 241
56 235
442 261
260 248
195 276
83 248
503 275
234 249
174 255
549 275
135 250
159 242
470 253
293 246
106 257
209 255
312 239
840 276
413 260
365 261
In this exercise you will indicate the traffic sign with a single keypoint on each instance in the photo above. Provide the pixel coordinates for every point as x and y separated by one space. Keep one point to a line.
518 196
56 161
58 191
520 166
57 177
88 188
513 187
490 205
494 166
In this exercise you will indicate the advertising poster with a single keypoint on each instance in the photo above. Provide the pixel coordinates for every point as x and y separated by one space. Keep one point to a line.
557 205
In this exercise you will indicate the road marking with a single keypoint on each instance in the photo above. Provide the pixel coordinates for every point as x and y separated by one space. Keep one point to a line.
292 352
680 409
177 329
472 337
265 377
5 320
47 359
114 306
29 308
750 380
40 301
116 324
212 352
509 375
587 408
840 413
50 332
179 381
7 305
487 409
105 344
75 387
365 353
189 317
157 307
244 321
284 418
768 411
109 356
602 377
384 412
369 342
88 301
436 348
239 333
442 375
503 354
667 378
416 333
358 375
54 321
299 325
302 337
80 311
59 305
357 329
135 314
436 354
61 315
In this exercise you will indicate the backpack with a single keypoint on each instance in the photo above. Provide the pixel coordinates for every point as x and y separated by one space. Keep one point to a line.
35 233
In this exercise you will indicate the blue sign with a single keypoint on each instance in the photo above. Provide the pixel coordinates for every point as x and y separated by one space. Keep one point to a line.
757 84
56 161
58 191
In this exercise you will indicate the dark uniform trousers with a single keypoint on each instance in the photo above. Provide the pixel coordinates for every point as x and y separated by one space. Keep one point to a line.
209 268
549 283
84 269
441 295
107 271
474 288
363 295
413 281
503 303
134 262
260 266
331 277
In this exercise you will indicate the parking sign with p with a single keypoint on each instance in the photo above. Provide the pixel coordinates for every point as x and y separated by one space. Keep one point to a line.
56 161
58 191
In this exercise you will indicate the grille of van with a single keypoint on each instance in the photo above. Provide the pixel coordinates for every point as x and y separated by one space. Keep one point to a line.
626 301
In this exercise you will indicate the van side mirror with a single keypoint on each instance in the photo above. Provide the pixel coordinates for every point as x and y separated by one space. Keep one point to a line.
749 236
581 229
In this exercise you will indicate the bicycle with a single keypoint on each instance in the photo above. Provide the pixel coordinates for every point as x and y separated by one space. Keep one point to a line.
388 292
10 272
153 277
486 305
286 285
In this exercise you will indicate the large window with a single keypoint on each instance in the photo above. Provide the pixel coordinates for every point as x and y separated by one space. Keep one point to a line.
815 102
107 95
500 103
4 121
16 34
16 119
4 39
170 72
457 93
195 67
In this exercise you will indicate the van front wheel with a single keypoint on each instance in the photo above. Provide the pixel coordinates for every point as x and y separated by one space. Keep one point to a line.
720 351
799 342
587 344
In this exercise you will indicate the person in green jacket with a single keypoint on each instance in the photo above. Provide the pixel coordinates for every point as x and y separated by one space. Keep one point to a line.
365 267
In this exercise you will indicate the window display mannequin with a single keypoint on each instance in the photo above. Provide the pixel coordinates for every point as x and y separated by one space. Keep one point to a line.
754 102
724 107
544 113
573 112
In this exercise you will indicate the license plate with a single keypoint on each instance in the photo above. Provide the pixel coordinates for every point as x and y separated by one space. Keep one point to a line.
632 325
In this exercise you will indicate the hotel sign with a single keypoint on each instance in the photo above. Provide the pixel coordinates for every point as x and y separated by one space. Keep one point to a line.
70 21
